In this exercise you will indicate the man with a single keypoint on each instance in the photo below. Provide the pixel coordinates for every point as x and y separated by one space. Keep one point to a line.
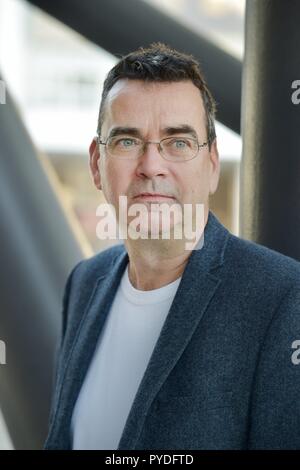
164 347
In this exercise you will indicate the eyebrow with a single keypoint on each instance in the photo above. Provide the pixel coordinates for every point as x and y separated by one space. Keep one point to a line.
173 130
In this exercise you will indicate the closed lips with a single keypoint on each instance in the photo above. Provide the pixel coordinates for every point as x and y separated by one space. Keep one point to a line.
154 195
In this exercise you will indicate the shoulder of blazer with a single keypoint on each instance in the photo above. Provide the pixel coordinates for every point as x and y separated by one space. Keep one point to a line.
98 265
253 260
83 278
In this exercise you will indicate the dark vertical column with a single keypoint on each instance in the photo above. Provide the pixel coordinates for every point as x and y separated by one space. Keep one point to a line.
270 173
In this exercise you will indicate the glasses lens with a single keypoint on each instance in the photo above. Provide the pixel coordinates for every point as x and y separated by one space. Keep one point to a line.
179 148
124 147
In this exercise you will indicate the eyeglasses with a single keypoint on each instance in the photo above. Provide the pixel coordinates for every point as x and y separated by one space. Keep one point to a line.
176 149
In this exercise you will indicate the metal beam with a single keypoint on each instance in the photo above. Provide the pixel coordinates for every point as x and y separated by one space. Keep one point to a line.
37 251
270 189
123 26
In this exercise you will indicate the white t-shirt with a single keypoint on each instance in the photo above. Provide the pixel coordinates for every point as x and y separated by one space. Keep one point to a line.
122 354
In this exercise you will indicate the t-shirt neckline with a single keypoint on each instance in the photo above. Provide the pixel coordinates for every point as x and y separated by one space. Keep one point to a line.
152 296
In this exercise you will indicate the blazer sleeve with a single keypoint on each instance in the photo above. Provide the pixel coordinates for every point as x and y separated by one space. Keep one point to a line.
275 406
60 342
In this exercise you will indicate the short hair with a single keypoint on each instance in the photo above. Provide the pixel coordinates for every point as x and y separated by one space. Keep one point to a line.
161 63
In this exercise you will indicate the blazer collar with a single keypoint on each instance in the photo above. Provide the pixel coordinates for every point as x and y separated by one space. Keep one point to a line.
197 287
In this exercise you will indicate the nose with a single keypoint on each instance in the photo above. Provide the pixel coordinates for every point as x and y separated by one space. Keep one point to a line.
151 163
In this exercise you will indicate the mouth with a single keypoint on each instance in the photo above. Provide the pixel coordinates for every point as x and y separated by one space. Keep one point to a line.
153 197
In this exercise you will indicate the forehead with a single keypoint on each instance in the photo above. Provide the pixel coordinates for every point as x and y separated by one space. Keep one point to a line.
137 103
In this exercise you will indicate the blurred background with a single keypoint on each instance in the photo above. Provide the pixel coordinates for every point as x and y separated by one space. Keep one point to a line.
55 77
54 57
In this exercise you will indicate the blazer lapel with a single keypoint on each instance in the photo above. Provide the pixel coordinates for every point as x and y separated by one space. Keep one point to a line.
196 289
83 348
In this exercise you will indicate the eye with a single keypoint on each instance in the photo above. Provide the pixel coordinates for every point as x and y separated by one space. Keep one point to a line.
126 142
179 143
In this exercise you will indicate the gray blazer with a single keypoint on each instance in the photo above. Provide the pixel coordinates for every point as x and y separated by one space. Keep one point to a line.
223 373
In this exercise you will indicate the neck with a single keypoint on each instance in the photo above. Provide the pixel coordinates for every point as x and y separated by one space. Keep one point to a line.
156 263
149 271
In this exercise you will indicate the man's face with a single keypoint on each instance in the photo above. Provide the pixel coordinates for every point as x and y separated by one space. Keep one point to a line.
152 109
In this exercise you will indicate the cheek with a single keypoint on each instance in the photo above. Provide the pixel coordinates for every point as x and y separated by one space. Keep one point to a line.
107 179
117 176
195 181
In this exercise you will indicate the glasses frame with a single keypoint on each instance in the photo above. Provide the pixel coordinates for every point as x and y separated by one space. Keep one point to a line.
204 144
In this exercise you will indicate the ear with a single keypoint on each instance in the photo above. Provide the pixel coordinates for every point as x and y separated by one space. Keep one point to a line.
94 163
214 167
